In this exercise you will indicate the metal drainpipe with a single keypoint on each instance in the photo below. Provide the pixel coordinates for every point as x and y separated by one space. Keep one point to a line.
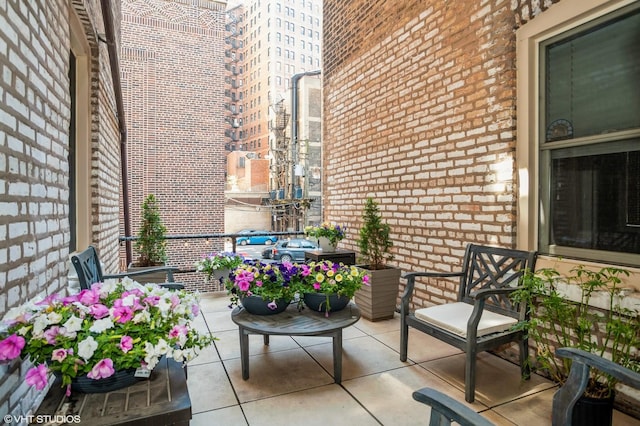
107 17
294 122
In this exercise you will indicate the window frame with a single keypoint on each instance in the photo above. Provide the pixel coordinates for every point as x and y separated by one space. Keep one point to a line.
562 19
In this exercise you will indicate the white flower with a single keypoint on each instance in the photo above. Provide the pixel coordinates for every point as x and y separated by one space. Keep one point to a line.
130 300
73 324
54 317
87 347
151 357
101 325
162 347
41 322
164 305
177 354
106 288
142 316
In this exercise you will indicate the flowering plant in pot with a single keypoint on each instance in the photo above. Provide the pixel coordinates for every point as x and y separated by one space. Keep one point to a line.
212 263
328 279
273 283
102 330
332 232
559 318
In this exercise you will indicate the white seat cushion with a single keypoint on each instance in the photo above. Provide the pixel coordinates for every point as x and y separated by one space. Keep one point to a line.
454 317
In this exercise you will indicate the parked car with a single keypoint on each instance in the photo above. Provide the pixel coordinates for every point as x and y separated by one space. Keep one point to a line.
253 236
266 253
290 250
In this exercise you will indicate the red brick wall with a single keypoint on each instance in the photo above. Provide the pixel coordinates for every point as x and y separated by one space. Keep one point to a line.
419 113
173 80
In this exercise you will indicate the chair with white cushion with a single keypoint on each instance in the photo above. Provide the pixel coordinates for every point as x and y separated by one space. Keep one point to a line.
483 316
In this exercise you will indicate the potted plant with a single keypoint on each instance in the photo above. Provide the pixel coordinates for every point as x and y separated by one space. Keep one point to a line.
151 244
218 265
327 234
263 288
328 286
560 319
377 301
101 332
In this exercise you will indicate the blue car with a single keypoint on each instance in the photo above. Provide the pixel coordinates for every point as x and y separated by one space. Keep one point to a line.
253 236
292 250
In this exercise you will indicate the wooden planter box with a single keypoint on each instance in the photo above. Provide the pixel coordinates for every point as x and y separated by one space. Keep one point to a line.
377 301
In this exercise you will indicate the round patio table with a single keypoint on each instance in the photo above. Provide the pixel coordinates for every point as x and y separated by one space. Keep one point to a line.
294 323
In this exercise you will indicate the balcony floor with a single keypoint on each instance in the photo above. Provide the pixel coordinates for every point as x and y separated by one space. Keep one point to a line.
291 379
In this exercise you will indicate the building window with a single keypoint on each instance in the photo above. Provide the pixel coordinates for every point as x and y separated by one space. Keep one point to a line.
588 138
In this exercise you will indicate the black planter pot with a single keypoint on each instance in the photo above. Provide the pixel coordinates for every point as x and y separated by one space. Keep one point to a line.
319 302
119 380
258 306
593 411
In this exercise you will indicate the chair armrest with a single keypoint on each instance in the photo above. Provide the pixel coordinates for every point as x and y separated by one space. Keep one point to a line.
582 361
447 409
623 374
169 270
411 279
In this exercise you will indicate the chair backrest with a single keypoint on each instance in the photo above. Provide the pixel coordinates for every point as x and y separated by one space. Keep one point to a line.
495 268
87 266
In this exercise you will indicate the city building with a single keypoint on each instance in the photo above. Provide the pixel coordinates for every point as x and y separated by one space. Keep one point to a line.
270 46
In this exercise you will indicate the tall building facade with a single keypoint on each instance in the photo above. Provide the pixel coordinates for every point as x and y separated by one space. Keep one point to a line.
270 46
173 71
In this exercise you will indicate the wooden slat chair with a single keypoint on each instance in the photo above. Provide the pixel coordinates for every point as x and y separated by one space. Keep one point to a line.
483 316
87 266
581 362
445 410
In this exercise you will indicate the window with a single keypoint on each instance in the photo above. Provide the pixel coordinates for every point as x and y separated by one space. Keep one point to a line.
587 136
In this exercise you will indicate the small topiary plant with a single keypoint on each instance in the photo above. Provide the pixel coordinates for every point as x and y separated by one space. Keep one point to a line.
374 242
151 243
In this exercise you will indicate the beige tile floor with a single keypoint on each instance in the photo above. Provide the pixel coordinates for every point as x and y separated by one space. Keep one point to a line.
291 379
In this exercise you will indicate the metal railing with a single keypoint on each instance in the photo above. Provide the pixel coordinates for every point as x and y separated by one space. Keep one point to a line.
184 250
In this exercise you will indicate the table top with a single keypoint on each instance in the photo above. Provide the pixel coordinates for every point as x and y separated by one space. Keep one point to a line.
294 323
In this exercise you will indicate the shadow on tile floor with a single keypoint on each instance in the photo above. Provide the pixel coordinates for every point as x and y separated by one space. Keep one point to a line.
291 380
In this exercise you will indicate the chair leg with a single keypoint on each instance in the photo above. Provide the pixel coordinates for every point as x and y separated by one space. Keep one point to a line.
525 367
404 338
470 376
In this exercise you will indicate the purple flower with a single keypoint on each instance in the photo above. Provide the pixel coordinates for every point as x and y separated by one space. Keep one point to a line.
126 343
272 305
11 346
37 376
102 370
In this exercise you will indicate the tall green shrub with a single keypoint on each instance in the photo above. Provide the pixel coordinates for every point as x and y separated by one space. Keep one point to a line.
374 242
151 243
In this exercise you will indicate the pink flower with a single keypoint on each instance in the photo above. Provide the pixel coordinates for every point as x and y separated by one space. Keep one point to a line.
37 376
244 285
122 314
126 343
178 330
99 310
272 305
11 346
51 333
195 310
151 300
88 297
59 355
316 285
258 283
365 280
102 370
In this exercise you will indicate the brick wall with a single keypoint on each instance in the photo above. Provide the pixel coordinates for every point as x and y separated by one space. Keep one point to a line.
173 80
34 147
419 107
